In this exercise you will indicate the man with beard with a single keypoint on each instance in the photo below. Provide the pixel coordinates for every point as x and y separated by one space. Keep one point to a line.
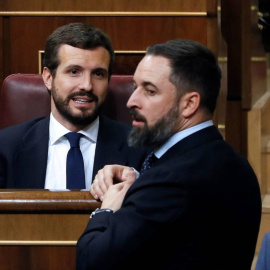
77 66
198 205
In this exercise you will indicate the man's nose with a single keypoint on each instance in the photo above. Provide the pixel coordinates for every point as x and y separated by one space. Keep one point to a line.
86 82
133 100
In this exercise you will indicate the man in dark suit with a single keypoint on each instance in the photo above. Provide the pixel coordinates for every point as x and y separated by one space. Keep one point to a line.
77 66
198 206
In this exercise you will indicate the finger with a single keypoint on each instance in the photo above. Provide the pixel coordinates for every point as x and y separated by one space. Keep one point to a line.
130 178
114 172
106 176
95 189
114 197
93 192
104 179
101 177
127 171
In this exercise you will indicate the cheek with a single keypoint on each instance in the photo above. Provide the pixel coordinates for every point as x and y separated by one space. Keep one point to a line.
63 86
156 113
100 89
153 115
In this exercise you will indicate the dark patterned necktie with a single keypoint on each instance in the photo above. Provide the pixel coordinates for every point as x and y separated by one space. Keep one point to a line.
148 162
75 166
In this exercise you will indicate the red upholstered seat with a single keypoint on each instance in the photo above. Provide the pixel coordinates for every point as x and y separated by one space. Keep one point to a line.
24 97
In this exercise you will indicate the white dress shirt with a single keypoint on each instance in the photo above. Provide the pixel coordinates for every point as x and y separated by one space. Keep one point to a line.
57 154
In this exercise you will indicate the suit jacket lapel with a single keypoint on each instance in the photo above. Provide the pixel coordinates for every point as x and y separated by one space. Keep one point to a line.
108 148
33 154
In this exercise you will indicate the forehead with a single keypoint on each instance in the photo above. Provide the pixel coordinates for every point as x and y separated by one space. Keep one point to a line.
153 69
70 54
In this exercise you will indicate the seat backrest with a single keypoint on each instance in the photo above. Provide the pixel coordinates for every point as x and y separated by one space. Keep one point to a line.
24 97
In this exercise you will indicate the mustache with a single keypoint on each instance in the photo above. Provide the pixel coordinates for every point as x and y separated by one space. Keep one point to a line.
136 115
85 94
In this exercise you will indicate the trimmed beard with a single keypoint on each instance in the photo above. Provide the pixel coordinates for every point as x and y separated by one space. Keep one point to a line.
84 118
156 135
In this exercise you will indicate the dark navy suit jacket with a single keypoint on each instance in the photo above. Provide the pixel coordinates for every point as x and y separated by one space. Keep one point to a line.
24 151
198 207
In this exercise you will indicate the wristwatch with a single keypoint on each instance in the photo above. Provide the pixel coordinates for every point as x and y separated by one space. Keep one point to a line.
97 211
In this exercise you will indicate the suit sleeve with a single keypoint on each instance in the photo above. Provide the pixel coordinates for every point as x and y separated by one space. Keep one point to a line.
116 236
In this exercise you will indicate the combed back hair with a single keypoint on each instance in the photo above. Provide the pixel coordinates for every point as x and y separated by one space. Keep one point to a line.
194 68
78 35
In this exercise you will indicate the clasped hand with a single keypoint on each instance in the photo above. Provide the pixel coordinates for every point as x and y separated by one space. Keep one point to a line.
111 185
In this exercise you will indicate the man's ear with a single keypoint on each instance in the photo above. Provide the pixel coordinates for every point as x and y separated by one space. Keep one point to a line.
47 78
190 103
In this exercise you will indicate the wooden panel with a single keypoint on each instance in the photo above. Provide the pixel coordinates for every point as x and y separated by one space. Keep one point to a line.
259 79
6 48
42 227
245 73
37 258
258 60
220 112
236 122
111 5
211 33
46 201
126 64
122 35
39 229
41 215
255 144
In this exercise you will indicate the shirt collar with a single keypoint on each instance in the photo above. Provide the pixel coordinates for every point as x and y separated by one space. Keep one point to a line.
57 131
180 136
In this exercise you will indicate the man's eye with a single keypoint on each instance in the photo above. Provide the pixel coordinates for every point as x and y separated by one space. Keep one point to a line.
150 92
73 71
99 73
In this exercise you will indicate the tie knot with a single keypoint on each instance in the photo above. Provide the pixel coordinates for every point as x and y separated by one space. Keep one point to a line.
74 139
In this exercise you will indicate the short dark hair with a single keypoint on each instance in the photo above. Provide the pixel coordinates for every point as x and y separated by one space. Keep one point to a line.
78 35
194 68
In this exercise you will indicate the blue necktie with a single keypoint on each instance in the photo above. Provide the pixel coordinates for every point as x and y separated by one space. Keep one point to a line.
150 159
75 166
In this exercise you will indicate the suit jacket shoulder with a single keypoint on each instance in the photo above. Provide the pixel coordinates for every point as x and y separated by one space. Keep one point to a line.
23 154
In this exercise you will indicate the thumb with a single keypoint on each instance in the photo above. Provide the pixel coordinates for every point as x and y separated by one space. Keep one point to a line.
130 178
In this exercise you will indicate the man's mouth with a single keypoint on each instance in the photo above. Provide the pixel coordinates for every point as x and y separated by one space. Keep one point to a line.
81 100
138 119
83 97
136 116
